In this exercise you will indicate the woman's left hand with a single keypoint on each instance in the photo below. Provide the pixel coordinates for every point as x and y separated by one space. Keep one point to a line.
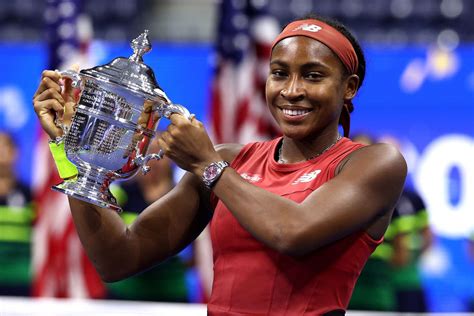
187 143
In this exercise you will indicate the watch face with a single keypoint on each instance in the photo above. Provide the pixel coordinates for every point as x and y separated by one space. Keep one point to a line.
211 172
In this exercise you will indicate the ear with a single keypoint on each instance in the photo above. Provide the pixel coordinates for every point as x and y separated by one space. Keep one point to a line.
351 87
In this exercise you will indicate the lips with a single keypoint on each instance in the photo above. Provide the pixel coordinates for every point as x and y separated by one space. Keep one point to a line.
295 112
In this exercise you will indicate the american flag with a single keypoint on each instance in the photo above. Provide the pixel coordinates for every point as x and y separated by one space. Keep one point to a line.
238 112
60 266
238 109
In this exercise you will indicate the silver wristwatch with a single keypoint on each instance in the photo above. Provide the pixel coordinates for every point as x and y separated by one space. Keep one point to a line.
212 172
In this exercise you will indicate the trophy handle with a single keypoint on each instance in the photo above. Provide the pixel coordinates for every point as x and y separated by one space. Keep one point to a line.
167 109
164 111
75 83
74 76
142 161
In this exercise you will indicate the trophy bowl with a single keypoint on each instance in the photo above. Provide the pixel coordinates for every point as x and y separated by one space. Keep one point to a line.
115 119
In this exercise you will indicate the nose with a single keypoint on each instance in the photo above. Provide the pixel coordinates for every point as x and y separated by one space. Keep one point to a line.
293 90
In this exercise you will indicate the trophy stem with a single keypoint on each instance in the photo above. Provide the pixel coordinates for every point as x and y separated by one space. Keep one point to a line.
92 186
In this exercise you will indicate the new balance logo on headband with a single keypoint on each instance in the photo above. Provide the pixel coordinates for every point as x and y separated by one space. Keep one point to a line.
308 27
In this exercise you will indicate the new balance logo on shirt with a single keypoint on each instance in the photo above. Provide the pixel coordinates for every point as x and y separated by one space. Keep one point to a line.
251 177
307 177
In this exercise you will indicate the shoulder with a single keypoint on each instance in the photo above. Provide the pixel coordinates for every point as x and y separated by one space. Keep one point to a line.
229 151
378 170
382 157
376 173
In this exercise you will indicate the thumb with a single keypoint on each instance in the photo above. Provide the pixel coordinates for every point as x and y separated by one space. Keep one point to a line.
69 109
195 121
69 93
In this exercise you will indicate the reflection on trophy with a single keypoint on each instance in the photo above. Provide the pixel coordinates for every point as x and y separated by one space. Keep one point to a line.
114 122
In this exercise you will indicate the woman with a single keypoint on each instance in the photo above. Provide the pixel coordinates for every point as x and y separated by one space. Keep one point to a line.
294 219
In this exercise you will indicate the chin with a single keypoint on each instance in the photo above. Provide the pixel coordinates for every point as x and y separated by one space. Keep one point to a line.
295 133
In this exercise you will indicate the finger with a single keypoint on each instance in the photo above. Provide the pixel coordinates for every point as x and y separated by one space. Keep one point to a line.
68 90
143 119
47 83
178 119
50 93
51 129
48 106
163 145
172 130
52 74
196 122
69 109
166 137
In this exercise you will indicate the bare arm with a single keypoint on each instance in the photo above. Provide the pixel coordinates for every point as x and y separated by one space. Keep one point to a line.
361 196
365 190
160 231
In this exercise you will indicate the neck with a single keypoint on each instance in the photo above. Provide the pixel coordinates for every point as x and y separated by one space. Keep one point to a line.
292 151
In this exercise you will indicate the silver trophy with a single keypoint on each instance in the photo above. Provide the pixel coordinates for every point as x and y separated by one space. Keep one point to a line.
114 122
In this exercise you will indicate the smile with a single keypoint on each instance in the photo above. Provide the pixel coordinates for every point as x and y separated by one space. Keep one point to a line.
295 112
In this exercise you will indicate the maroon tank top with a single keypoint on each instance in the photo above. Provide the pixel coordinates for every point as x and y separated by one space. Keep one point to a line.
253 279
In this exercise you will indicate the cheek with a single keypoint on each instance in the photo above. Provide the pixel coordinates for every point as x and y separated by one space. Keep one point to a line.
330 93
269 91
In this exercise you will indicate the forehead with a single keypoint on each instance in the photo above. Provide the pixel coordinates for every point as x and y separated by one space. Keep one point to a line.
303 49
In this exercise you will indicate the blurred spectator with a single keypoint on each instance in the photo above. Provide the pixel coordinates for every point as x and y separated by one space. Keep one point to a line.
391 276
166 282
412 237
16 219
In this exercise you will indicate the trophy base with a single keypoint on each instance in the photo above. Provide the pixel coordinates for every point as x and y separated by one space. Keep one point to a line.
90 194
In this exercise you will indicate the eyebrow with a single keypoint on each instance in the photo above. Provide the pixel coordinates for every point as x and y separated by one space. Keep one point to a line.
313 64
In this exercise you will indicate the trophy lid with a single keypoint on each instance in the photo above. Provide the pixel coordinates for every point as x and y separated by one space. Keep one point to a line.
131 72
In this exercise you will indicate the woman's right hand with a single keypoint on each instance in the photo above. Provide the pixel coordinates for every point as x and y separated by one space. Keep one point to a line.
54 99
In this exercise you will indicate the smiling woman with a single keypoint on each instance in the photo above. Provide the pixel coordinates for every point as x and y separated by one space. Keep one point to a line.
294 219
306 90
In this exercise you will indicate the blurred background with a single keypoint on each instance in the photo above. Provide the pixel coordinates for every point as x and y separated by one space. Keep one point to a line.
211 56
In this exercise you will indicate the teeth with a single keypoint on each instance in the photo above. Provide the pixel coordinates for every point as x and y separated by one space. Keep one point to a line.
295 112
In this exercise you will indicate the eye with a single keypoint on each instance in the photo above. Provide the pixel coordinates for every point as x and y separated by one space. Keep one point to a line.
278 73
313 75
